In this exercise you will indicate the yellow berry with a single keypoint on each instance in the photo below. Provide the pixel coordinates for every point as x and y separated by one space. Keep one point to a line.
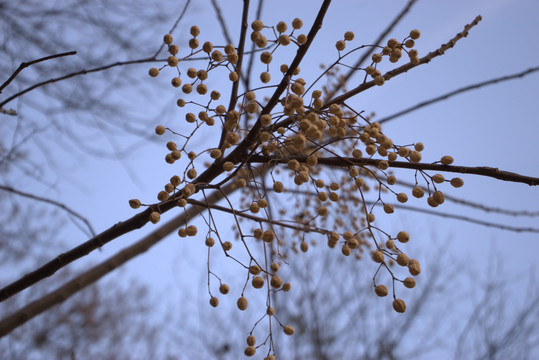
216 55
418 192
202 89
254 269
409 43
207 47
134 203
162 196
286 287
413 267
155 217
278 187
281 27
284 40
266 57
402 259
377 256
194 31
379 80
402 198
349 36
340 45
415 156
187 88
438 178
376 58
167 39
214 301
409 282
381 290
414 34
257 282
403 236
172 61
193 43
276 281
265 77
297 23
233 76
173 49
288 330
257 25
209 242
153 72
228 166
251 340
399 305
446 160
457 182
389 209
249 351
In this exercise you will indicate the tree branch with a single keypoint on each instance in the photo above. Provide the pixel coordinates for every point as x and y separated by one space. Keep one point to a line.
49 201
347 161
24 65
458 91
90 276
378 41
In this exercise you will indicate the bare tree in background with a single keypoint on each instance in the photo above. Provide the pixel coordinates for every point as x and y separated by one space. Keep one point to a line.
303 158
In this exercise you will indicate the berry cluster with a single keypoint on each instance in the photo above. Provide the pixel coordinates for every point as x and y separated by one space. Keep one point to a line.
308 144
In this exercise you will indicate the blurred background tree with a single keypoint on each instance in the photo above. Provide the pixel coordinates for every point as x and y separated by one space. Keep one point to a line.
70 122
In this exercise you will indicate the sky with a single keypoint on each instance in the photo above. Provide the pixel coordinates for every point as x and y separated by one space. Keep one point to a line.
494 126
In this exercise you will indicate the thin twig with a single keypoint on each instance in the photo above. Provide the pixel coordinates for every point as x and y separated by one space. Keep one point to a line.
479 206
377 42
458 91
174 26
52 202
427 211
24 65
222 22
77 73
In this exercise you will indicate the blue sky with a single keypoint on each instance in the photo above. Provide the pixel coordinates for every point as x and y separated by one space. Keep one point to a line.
495 126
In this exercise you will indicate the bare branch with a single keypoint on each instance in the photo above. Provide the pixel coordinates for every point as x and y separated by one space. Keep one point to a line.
426 211
81 72
458 91
24 65
222 22
347 161
404 68
378 41
53 202
184 10
479 206
90 276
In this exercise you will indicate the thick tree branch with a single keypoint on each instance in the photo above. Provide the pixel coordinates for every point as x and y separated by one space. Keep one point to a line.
347 161
90 276
139 220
